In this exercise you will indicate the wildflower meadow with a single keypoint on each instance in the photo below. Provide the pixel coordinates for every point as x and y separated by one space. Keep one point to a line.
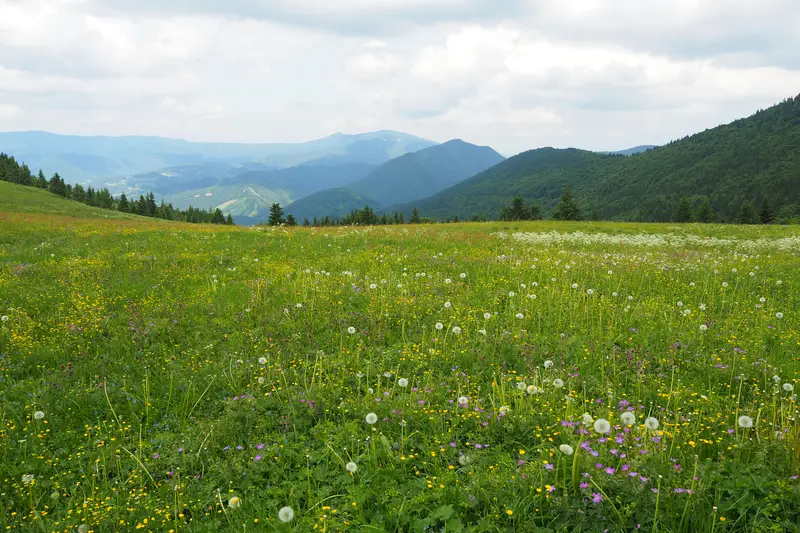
531 377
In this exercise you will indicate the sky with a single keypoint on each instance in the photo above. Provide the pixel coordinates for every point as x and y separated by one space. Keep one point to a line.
511 74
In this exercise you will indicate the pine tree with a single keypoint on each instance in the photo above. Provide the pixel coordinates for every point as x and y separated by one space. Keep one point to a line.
217 217
275 215
705 214
306 222
41 181
122 204
683 213
567 208
766 214
290 220
747 215
415 218
229 220
57 185
151 206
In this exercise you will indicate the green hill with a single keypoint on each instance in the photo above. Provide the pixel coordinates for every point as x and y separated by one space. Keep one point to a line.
332 203
406 178
21 199
746 160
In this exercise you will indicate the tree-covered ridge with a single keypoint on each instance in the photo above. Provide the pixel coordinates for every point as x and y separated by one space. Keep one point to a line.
19 173
408 178
745 161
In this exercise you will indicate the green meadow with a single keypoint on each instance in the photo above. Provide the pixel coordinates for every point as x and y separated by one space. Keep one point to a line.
531 377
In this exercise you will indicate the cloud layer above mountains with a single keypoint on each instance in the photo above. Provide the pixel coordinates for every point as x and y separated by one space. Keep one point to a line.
517 74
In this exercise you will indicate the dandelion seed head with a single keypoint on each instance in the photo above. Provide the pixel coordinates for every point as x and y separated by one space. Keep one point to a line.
286 514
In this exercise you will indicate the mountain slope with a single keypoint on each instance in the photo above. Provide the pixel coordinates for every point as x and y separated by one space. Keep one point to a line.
101 160
248 196
632 151
332 203
486 193
406 178
746 160
16 198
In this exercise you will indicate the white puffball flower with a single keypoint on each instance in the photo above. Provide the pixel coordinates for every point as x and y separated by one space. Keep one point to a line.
371 418
351 467
4 318
745 422
402 382
456 330
351 330
262 360
463 400
373 286
703 327
38 415
680 304
487 316
286 514
522 385
512 294
448 305
788 387
651 423
566 449
548 364
615 294
463 275
482 331
627 418
574 285
601 425
448 281
778 315
587 418
558 383
439 325
520 316
590 292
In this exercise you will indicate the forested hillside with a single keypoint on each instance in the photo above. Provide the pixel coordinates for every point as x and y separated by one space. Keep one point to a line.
747 161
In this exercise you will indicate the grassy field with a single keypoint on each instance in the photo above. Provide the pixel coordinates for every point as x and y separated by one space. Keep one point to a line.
536 377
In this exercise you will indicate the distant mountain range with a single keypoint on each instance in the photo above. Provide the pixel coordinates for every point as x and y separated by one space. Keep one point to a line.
747 160
744 161
407 178
102 160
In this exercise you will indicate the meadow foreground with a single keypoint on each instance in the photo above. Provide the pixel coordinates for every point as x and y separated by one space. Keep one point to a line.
535 377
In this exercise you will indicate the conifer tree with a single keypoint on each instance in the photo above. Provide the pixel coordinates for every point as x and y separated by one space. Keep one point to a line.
415 218
275 215
683 213
747 215
705 214
567 208
766 214
290 220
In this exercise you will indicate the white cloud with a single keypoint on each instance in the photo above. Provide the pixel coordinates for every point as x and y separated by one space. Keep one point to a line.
598 74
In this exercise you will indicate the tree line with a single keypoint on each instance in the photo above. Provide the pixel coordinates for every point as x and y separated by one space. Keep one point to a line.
146 206
704 213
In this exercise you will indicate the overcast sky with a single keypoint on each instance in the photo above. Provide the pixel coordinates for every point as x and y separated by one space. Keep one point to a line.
513 74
